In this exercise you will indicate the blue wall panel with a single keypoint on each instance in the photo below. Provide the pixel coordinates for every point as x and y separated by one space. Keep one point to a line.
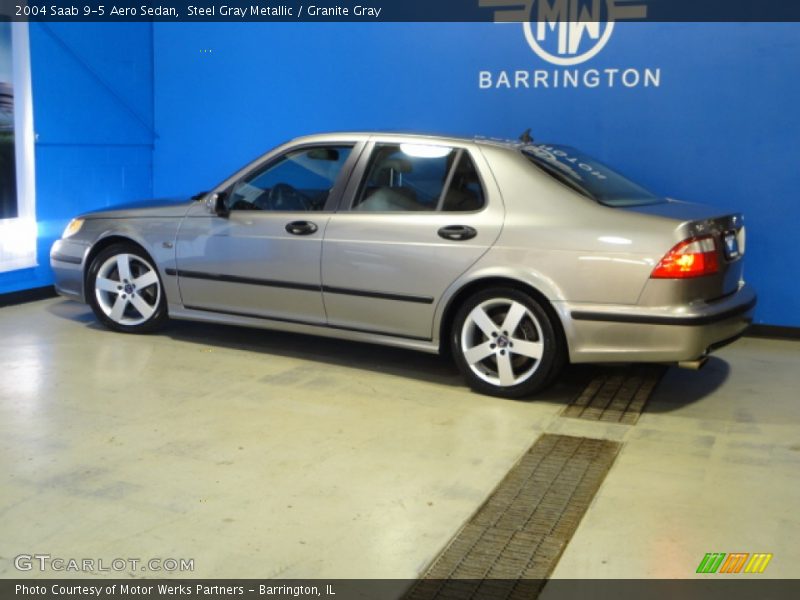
93 119
721 128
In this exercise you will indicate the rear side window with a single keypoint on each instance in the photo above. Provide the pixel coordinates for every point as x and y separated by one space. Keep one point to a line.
419 178
588 176
465 192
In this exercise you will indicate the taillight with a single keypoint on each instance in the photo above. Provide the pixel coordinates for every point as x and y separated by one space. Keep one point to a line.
694 257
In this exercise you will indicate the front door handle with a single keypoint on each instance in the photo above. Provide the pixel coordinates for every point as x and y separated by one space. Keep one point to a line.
301 228
457 233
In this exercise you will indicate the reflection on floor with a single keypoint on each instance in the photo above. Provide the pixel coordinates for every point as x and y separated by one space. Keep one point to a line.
260 454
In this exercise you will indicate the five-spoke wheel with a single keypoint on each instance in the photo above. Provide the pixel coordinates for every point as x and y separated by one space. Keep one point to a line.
505 344
125 290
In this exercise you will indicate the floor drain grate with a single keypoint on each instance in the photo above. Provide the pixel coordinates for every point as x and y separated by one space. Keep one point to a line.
616 394
511 545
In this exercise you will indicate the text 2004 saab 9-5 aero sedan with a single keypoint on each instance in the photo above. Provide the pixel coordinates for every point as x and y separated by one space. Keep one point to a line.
516 257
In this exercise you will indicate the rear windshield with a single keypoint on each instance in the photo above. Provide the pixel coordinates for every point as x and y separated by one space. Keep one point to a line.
588 176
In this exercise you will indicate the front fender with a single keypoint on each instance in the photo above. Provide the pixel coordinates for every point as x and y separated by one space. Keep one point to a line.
156 236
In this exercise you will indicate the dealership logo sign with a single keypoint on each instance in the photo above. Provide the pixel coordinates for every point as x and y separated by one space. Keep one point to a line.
573 23
566 33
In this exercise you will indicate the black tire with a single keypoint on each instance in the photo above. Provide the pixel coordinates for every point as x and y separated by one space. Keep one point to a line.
534 332
143 308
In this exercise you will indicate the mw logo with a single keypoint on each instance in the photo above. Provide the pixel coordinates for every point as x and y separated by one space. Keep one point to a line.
567 32
737 562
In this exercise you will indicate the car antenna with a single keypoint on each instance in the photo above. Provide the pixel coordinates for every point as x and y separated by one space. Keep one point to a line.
526 138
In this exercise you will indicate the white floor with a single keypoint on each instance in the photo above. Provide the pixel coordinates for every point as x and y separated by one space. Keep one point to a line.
260 454
712 466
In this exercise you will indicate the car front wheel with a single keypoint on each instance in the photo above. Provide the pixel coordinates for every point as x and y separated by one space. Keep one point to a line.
505 344
125 291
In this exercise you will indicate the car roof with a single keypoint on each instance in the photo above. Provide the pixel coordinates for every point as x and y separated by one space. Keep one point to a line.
429 137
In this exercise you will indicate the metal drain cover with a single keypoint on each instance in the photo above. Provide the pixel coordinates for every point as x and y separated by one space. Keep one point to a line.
616 394
511 545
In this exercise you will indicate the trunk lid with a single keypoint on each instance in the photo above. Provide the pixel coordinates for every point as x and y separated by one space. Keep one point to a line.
698 220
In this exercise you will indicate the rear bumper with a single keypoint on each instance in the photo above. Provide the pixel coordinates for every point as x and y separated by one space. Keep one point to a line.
603 333
66 260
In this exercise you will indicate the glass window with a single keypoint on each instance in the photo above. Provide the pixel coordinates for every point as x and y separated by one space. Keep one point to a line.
298 181
419 177
17 172
465 192
589 176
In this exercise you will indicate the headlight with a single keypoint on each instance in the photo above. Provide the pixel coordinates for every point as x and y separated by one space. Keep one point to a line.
73 228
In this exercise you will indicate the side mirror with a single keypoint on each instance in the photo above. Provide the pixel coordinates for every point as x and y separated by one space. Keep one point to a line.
215 204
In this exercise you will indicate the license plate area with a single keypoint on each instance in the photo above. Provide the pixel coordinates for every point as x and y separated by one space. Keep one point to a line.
730 244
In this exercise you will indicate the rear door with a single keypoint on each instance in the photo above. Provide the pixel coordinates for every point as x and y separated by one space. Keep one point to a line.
415 217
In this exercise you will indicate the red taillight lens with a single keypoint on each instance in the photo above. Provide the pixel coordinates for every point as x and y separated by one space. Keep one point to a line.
694 257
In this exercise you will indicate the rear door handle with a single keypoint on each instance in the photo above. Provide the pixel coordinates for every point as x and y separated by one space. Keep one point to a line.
457 233
301 228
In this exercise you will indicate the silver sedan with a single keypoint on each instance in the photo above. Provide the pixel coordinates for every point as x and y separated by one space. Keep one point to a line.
515 257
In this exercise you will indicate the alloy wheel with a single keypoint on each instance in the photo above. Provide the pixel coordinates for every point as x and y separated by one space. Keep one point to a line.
502 342
127 289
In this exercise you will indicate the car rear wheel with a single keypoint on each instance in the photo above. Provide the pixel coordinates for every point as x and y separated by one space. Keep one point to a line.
125 290
505 344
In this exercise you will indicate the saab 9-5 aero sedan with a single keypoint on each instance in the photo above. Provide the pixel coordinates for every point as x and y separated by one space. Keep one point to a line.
515 257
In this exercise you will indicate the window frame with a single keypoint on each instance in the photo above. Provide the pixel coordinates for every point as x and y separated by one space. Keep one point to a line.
361 171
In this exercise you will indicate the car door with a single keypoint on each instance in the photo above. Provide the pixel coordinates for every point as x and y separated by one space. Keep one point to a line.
261 256
416 215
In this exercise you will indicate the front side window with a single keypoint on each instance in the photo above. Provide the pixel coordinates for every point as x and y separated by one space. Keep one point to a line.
414 178
300 180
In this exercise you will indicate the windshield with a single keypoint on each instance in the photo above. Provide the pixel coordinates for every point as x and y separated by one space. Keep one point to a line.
588 176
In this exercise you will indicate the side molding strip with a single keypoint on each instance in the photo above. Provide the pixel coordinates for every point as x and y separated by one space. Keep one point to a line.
299 286
664 320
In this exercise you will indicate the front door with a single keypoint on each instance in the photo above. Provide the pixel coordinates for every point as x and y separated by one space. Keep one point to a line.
263 258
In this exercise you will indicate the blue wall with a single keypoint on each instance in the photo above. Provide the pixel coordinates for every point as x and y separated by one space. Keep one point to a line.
722 128
93 120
